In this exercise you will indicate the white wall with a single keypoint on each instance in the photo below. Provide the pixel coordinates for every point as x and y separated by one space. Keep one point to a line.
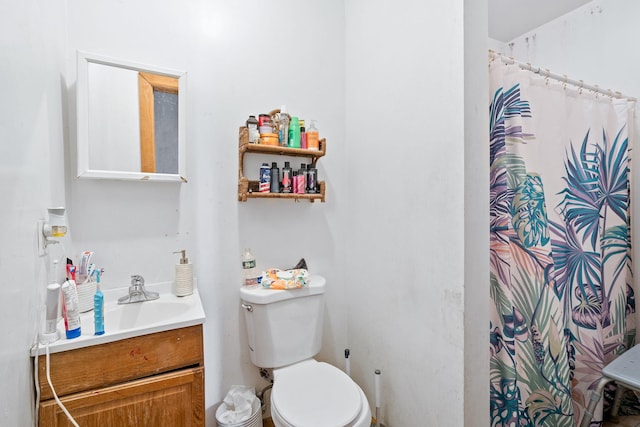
476 217
399 169
31 162
234 56
406 224
594 48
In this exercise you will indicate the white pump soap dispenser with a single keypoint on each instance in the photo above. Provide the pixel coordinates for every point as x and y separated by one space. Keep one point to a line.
184 276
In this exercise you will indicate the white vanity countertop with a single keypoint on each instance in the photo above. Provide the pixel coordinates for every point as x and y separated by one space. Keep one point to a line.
132 320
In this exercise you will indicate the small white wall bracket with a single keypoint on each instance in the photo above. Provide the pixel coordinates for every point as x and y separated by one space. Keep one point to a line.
42 240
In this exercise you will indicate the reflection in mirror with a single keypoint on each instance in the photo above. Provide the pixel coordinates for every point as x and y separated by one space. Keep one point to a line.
130 120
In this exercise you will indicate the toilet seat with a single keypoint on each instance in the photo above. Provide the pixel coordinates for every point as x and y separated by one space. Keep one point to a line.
315 394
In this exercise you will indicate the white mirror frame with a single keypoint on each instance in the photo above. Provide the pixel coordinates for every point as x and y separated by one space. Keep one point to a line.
82 114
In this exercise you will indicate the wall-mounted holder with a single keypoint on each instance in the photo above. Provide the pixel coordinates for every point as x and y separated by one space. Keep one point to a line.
49 231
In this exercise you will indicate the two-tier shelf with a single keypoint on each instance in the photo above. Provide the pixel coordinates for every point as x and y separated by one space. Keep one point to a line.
248 189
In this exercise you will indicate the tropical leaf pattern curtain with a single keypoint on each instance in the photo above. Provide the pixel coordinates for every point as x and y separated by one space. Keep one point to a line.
561 282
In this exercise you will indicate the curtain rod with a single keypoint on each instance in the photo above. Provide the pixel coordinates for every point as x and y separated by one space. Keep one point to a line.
562 78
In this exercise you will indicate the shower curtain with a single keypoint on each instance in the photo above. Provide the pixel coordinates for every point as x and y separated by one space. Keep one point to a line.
561 289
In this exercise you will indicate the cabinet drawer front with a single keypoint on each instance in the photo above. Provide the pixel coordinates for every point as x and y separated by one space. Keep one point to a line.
103 365
175 399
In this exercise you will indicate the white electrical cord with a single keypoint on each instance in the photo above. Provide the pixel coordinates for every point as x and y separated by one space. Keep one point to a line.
55 396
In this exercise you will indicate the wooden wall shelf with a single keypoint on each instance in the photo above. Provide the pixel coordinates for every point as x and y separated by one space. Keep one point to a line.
248 189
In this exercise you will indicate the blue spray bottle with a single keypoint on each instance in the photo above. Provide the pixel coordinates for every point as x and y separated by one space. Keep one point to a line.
98 304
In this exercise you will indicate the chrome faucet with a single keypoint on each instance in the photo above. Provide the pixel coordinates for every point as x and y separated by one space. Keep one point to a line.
137 292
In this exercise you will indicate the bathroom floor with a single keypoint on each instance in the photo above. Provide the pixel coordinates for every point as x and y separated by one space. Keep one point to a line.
628 421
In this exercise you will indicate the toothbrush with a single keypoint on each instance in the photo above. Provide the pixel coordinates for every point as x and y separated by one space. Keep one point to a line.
98 304
90 271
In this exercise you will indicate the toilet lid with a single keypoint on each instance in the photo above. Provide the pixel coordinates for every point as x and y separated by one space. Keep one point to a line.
316 395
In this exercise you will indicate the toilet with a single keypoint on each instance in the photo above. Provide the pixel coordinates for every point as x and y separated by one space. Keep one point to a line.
284 331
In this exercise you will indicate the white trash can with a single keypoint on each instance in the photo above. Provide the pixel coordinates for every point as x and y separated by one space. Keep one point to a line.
233 410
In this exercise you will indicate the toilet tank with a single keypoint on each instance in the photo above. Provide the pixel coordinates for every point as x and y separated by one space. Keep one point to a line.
284 326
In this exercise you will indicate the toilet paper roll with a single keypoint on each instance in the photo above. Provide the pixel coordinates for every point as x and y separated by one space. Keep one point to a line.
184 280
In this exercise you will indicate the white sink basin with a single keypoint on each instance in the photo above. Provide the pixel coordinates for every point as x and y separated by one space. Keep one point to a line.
141 314
123 321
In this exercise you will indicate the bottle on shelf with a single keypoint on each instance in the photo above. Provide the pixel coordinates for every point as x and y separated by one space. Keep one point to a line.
287 176
294 182
283 132
252 126
275 178
294 133
313 141
303 135
302 179
312 179
264 185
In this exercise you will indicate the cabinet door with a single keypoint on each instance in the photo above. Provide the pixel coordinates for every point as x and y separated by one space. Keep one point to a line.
175 399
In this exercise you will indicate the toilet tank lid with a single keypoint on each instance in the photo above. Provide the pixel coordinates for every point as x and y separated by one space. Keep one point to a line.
260 295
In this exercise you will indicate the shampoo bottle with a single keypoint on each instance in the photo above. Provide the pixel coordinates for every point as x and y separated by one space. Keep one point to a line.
312 179
184 276
287 177
98 305
275 178
294 133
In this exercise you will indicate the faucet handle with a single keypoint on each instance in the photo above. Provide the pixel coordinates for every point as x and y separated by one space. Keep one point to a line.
137 280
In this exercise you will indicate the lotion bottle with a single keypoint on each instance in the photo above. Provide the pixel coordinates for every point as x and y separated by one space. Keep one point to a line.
313 137
184 275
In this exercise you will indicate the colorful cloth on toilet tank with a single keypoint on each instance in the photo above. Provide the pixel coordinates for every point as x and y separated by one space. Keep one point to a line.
275 278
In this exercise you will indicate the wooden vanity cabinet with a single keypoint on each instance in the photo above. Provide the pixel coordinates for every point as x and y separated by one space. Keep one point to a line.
150 380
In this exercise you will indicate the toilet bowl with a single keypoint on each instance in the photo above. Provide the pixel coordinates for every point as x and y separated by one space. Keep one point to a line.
316 394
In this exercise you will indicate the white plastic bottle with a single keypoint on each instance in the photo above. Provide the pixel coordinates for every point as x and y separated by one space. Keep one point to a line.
249 270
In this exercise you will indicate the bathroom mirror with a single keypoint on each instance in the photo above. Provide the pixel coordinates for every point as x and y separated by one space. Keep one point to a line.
131 120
